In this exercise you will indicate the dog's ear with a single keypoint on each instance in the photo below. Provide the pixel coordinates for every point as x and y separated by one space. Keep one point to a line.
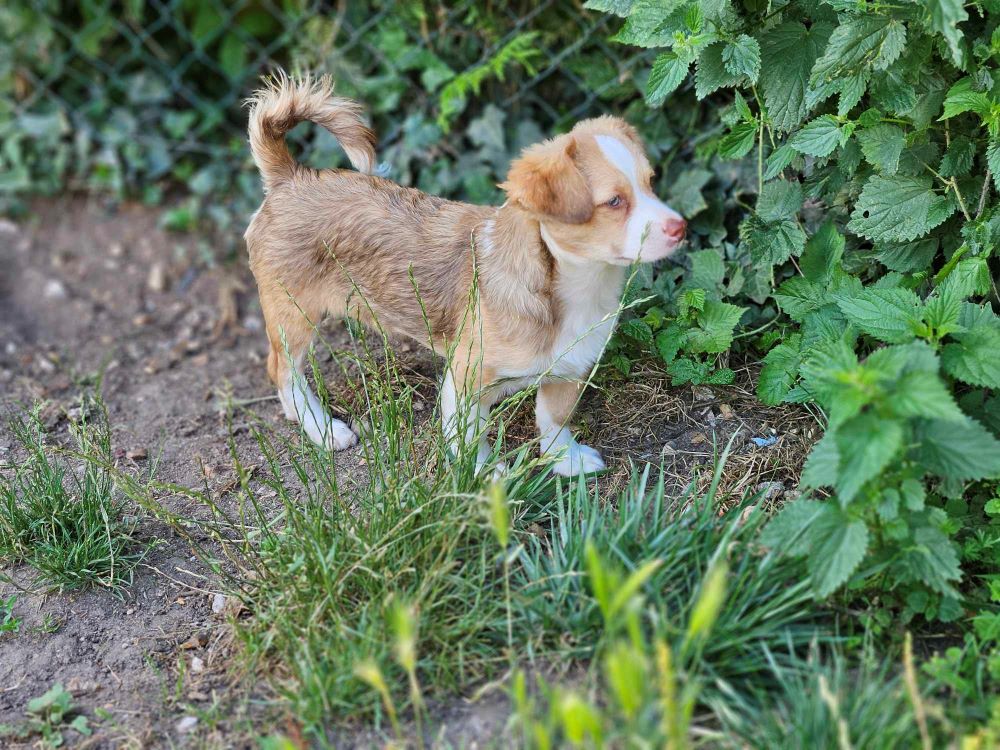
546 180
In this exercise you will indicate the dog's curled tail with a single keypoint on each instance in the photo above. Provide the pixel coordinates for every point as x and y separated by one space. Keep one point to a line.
284 102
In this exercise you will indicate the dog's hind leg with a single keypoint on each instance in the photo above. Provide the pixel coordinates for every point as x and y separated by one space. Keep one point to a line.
290 331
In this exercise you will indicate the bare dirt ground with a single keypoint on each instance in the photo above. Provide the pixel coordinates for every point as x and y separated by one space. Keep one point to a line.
86 285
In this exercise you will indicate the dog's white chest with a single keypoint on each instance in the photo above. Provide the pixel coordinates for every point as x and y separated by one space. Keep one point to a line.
590 298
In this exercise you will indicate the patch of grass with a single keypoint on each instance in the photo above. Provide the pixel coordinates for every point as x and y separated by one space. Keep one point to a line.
65 518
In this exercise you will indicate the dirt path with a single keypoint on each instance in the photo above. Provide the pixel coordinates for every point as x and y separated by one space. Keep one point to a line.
85 286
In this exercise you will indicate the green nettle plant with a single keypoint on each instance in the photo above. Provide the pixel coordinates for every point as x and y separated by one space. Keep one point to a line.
873 133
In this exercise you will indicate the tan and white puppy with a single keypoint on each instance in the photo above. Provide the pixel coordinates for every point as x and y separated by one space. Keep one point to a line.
550 263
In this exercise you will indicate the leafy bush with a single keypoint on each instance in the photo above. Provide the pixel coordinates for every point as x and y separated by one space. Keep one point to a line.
870 133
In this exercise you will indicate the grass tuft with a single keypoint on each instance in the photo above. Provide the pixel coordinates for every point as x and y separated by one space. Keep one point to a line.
67 523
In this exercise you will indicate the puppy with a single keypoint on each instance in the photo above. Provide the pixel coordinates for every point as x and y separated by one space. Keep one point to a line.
549 265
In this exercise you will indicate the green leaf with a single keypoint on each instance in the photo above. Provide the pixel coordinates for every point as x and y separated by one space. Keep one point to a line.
822 254
993 160
924 394
668 72
780 199
931 560
898 209
798 296
711 73
686 370
957 160
866 443
882 144
714 333
822 464
707 269
945 17
638 330
788 52
620 8
651 23
957 450
669 342
779 159
974 357
889 315
772 243
737 143
852 89
962 97
742 57
790 530
839 544
906 257
859 42
780 370
684 193
819 137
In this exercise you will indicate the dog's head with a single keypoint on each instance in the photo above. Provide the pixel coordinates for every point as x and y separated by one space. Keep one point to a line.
591 192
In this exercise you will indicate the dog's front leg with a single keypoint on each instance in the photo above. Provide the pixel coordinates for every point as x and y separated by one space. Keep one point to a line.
553 409
465 413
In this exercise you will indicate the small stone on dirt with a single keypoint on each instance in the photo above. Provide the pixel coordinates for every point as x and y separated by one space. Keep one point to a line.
157 279
771 490
54 289
701 393
116 250
218 603
137 454
186 724
197 664
726 411
8 227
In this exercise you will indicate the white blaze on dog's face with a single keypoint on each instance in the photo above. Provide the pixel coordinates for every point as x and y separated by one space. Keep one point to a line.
591 190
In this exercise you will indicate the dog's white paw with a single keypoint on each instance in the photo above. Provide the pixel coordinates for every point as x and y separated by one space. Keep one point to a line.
578 459
332 434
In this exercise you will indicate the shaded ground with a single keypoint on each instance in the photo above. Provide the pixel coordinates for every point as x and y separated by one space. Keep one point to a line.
85 286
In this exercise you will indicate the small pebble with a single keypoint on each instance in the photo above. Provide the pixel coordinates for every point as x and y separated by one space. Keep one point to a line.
218 603
186 724
54 289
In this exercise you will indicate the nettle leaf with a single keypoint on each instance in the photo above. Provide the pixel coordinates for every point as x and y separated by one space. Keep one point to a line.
851 90
906 257
685 192
945 17
638 330
882 144
974 357
711 73
962 97
780 199
821 465
898 209
822 254
780 370
839 544
957 160
707 269
742 57
620 8
798 296
714 333
788 53
791 529
819 137
931 560
669 72
993 160
967 277
957 450
942 311
779 159
890 315
772 243
924 394
858 42
651 23
866 444
737 143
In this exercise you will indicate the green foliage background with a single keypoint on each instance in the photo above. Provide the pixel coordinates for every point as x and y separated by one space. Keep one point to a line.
837 161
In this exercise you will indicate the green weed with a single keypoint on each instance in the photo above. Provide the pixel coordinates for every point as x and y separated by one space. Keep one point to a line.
64 518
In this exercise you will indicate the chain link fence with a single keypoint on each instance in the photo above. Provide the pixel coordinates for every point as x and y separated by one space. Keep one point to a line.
143 95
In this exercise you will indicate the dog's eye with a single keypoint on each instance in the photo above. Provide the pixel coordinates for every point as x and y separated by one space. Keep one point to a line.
615 202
